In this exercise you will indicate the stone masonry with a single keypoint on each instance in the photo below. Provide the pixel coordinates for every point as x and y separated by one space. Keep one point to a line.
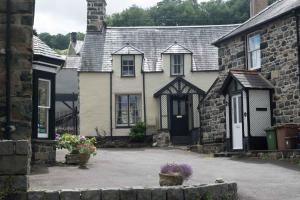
197 192
280 65
21 65
96 14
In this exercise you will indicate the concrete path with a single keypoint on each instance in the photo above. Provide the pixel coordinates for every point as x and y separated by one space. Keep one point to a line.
260 180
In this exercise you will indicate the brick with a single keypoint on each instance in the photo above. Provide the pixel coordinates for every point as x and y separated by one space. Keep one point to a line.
15 183
10 165
51 195
91 195
127 194
36 195
159 194
191 193
143 193
6 148
110 194
175 193
70 195
22 147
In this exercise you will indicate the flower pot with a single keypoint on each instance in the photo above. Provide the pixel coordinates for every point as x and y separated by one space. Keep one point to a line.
72 159
83 160
170 179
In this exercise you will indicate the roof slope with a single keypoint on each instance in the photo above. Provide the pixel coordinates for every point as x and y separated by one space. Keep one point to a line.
273 11
40 48
153 41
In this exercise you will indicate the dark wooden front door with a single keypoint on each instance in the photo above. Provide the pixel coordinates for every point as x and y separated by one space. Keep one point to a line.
179 119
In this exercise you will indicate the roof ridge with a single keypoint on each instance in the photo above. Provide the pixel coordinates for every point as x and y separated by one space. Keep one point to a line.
170 27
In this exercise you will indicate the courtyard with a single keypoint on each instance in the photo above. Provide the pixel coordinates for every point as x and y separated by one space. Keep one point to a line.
114 168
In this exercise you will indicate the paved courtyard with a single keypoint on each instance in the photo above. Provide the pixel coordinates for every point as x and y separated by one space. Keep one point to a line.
260 180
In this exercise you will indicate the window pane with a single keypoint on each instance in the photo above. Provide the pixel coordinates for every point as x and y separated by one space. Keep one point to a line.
43 122
177 64
44 93
182 107
175 107
134 109
254 42
234 110
122 110
240 109
128 65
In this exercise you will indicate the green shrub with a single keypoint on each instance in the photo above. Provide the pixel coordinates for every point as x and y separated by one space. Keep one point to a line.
138 132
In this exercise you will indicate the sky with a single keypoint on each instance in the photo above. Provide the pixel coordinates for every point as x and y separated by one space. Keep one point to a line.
64 16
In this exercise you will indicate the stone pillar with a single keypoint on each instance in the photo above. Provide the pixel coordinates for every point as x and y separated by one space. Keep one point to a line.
96 11
21 67
14 167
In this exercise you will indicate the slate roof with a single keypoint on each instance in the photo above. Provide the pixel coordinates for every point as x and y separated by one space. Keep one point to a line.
40 48
248 79
273 11
153 41
75 48
73 62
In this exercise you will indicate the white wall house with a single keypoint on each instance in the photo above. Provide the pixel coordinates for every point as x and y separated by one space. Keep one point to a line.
156 75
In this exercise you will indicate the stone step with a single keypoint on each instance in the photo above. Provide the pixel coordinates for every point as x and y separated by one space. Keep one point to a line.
229 154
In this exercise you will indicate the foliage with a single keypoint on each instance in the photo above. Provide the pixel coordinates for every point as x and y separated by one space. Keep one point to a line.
59 41
184 170
138 132
184 12
71 142
87 149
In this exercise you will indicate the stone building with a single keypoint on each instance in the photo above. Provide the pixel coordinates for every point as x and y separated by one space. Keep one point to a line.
258 84
156 75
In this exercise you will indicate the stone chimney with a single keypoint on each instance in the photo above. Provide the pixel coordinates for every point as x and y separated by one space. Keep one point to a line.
73 37
96 11
256 6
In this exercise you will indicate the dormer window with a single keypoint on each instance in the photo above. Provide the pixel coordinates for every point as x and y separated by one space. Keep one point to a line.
128 67
177 64
254 52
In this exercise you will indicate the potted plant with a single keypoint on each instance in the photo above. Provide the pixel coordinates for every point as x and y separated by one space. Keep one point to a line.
174 174
85 152
138 132
71 142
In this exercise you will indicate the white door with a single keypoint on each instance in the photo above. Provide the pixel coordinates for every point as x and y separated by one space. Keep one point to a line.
237 126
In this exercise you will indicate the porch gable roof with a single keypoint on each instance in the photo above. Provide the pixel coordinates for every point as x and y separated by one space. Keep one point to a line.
247 79
179 86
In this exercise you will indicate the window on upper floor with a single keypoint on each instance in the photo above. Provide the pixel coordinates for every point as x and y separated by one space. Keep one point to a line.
254 52
128 67
177 64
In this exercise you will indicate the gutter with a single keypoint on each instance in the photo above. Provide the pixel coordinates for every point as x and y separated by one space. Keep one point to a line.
144 92
8 127
298 42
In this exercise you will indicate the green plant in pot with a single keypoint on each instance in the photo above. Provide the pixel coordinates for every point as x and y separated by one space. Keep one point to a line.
174 174
85 152
138 132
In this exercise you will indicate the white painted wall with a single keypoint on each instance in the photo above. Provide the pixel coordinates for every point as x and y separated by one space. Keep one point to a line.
94 92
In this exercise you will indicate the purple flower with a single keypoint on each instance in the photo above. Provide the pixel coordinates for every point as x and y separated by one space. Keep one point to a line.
184 170
82 138
57 136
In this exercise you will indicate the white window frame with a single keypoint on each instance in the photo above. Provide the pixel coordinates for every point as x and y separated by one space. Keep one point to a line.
47 108
127 74
252 52
174 65
139 110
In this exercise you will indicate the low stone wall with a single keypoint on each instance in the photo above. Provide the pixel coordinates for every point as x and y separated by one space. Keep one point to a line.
292 155
43 152
208 148
222 191
14 166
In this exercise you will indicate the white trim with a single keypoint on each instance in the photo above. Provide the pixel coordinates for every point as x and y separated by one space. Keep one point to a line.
44 68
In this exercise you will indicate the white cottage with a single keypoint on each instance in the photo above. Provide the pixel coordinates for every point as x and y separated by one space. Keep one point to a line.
157 75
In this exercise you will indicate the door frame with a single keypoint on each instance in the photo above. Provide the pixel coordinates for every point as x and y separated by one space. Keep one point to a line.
171 113
232 94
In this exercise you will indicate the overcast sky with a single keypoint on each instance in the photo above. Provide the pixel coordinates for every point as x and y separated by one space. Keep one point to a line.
64 16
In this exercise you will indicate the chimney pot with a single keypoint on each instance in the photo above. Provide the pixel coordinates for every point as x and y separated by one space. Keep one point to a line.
256 6
73 37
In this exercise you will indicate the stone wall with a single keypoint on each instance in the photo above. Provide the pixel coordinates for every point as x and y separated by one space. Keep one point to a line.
14 166
211 192
43 152
279 65
21 65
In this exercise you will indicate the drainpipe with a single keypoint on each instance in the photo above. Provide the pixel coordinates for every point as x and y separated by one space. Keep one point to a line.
298 42
8 78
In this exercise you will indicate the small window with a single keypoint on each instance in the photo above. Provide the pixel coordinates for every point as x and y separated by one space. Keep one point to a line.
254 52
177 65
128 66
44 105
128 110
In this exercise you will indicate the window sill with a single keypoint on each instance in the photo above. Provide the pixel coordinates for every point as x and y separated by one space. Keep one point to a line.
124 127
127 76
177 75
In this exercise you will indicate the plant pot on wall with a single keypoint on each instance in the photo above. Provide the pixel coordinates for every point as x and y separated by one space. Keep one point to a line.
170 179
72 159
83 160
